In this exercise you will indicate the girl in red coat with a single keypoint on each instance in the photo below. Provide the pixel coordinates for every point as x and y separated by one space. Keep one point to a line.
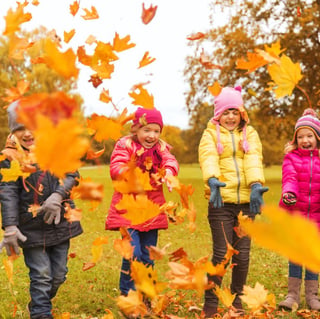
301 193
147 151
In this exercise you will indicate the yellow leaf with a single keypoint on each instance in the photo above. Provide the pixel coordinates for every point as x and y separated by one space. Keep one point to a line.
124 247
275 234
59 148
12 173
122 44
8 266
15 18
142 98
286 76
146 59
224 295
139 208
132 304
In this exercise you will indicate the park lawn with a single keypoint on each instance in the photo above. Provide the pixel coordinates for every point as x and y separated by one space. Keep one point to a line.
92 293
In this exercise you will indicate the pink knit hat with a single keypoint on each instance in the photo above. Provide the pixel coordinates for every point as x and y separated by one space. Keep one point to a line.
147 116
230 98
310 120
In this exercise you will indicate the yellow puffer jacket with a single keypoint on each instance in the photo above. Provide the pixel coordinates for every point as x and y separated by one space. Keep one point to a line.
234 167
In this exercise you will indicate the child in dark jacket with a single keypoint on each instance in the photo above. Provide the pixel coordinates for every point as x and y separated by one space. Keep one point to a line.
43 233
148 152
301 194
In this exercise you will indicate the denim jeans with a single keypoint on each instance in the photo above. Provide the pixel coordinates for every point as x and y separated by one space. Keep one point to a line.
47 271
140 241
296 272
222 222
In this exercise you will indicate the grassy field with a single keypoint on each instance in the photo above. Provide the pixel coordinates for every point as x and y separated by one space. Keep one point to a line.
88 294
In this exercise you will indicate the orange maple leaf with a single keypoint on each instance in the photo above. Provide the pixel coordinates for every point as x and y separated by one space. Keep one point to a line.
16 93
105 96
104 127
215 88
156 253
83 57
197 36
206 62
122 44
95 80
132 304
148 14
35 2
74 7
146 59
67 36
90 15
18 46
88 190
91 154
124 247
63 63
253 62
72 214
15 18
96 251
142 98
59 148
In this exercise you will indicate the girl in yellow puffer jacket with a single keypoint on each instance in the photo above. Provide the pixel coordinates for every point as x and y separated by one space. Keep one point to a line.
230 156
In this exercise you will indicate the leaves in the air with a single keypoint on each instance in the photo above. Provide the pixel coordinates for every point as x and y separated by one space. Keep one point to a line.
18 47
67 36
123 246
146 59
215 88
74 7
253 62
132 304
96 252
16 93
156 253
142 97
121 44
88 190
196 36
148 13
90 14
15 18
72 214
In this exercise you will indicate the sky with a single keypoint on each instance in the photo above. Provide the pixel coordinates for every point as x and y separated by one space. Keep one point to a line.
165 38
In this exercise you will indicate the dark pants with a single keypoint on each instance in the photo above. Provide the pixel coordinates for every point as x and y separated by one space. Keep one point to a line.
296 272
140 241
47 271
222 222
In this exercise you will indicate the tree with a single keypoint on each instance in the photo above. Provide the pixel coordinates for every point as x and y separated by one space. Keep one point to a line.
40 77
253 24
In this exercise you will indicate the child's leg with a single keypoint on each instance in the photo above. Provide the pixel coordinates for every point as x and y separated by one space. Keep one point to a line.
147 239
58 257
38 262
311 289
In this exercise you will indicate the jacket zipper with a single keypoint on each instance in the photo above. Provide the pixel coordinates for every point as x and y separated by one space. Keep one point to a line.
236 165
311 165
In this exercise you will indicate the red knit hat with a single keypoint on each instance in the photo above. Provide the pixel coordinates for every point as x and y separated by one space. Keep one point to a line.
147 116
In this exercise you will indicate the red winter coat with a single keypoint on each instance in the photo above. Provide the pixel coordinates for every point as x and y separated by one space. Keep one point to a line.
126 149
301 176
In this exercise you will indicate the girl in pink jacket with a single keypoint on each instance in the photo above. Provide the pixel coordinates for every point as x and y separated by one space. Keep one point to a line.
301 194
144 149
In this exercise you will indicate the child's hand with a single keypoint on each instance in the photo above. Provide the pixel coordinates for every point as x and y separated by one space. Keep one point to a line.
289 198
215 196
256 197
167 179
52 209
10 239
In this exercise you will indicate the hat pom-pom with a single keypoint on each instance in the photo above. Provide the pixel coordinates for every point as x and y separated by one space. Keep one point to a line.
245 146
238 88
310 112
219 148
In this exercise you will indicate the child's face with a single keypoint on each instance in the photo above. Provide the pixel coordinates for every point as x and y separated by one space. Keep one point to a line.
230 119
24 137
306 139
148 135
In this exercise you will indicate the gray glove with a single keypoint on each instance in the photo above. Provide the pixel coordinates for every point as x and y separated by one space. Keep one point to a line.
10 239
215 196
256 197
52 209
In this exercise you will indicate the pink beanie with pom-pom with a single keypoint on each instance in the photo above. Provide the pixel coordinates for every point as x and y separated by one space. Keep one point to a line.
310 120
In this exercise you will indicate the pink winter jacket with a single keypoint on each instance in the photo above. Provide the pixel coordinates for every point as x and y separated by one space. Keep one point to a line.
125 149
301 176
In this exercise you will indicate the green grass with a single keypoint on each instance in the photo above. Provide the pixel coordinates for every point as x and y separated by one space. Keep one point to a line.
87 294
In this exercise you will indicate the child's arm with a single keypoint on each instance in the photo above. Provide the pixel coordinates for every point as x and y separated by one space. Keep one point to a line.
120 158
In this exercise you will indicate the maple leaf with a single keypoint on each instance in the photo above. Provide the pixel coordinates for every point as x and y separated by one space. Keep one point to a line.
196 36
59 148
274 234
35 2
63 63
105 96
178 254
90 15
132 304
224 295
83 57
215 88
95 80
56 106
74 7
34 209
146 59
205 61
13 173
67 36
256 297
91 39
16 93
286 76
104 52
72 214
104 69
156 253
146 279
123 247
8 266
96 252
104 127
139 208
122 44
18 46
254 62
91 154
142 98
15 18
88 190
148 14
184 191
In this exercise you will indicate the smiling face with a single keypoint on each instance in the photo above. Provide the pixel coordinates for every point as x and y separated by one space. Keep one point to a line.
24 137
230 119
148 135
306 139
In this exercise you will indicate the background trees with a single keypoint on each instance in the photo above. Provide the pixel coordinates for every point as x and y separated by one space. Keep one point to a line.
252 24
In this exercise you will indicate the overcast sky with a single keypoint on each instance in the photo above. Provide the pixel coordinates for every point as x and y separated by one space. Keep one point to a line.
164 37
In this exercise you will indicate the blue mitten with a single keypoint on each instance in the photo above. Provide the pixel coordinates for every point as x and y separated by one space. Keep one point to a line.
215 196
256 197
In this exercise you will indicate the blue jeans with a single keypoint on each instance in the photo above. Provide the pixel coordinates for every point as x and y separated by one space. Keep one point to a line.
47 271
140 241
296 272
